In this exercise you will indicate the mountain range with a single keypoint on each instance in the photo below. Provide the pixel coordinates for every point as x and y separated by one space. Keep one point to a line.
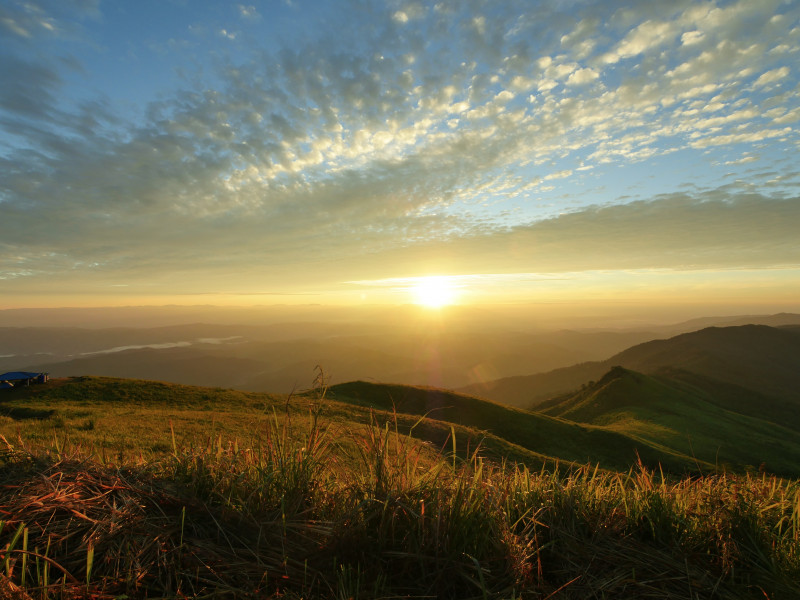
282 357
468 351
718 397
748 359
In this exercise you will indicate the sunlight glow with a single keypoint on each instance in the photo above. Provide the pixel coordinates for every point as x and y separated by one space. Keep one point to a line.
433 292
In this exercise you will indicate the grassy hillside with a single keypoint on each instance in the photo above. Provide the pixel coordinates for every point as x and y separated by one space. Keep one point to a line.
276 497
757 357
739 399
129 417
528 391
683 417
126 418
614 423
762 359
558 438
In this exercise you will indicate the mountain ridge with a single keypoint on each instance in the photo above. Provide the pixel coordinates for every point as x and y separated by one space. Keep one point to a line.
682 417
763 359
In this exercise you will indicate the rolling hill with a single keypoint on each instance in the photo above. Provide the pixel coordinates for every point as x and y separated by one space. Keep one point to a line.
279 357
760 359
684 417
624 417
667 420
721 395
776 320
557 438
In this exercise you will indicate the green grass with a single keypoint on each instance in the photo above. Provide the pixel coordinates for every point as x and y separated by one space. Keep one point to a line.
685 419
278 499
555 437
116 419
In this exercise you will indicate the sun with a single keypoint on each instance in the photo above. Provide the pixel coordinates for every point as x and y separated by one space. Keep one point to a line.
433 292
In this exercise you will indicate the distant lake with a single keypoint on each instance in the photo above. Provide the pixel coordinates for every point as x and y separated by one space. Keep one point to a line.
163 345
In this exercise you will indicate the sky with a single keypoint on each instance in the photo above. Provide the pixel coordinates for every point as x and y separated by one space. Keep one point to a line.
294 151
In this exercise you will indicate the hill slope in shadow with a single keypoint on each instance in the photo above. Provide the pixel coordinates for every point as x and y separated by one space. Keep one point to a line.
764 360
684 417
560 438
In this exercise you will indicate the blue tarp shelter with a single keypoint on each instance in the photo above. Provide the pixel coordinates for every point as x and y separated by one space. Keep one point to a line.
15 378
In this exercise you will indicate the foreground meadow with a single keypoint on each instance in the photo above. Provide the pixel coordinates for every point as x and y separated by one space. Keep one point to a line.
275 497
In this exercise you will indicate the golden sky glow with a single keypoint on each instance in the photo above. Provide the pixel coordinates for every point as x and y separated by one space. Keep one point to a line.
341 152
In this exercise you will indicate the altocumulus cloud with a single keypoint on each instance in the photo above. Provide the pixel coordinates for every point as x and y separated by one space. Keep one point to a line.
399 130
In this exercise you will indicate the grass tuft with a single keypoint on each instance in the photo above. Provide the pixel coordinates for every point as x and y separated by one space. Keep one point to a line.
309 508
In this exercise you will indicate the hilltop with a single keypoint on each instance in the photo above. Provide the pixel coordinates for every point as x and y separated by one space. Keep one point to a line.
760 359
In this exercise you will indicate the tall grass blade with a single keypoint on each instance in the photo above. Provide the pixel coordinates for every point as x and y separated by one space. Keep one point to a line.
24 556
11 545
183 522
89 563
174 443
453 436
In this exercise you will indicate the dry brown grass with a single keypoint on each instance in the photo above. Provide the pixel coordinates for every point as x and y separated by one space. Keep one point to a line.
297 518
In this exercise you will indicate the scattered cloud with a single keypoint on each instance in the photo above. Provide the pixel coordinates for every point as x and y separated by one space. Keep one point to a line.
692 37
388 135
743 160
582 76
558 175
715 229
771 77
647 36
32 19
248 12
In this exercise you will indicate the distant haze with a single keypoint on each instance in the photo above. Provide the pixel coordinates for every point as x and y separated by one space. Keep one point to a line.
278 349
590 314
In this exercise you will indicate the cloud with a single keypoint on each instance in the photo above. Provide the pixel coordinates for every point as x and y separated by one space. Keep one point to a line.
33 93
328 151
692 37
558 175
642 38
26 20
582 76
31 19
710 230
409 11
771 77
248 12
743 160
581 41
738 138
